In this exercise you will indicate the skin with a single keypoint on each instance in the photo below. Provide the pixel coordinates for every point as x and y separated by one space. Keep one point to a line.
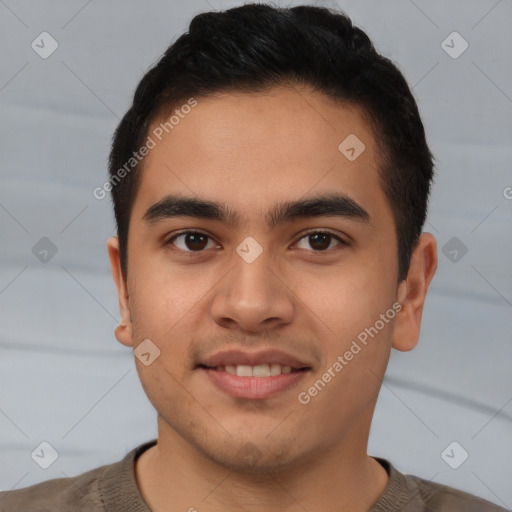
251 151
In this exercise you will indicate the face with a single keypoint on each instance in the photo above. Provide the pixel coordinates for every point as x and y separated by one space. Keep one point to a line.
253 285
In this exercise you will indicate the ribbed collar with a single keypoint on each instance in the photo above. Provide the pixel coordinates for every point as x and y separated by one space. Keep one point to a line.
119 491
118 485
401 493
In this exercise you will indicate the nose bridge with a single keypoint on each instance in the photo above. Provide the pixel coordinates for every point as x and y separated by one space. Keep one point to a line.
252 293
252 280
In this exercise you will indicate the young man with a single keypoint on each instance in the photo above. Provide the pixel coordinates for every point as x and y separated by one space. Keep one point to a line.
270 185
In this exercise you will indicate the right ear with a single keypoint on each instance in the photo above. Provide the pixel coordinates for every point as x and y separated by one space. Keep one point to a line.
124 332
412 293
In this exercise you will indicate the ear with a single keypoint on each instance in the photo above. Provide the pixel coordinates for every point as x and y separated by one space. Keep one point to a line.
412 292
124 329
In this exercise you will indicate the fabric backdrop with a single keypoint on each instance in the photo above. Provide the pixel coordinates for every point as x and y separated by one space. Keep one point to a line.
66 381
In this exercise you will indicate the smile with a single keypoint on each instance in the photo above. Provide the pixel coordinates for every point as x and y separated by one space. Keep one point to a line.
253 382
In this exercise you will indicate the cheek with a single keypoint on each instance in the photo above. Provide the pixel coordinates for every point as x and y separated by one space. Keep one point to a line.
353 315
159 314
169 396
346 299
162 295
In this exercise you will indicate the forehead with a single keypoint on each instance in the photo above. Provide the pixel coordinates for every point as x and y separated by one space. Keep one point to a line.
257 149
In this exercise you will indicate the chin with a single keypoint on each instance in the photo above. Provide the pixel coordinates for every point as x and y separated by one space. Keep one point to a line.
253 462
262 456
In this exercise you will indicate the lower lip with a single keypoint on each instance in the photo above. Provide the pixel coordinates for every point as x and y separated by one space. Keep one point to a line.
253 387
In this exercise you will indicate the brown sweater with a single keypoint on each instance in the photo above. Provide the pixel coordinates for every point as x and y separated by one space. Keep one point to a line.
113 488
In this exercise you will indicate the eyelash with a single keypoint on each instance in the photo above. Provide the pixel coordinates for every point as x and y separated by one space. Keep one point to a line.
304 235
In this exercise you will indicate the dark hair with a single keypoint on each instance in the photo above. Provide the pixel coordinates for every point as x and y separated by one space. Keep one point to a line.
257 46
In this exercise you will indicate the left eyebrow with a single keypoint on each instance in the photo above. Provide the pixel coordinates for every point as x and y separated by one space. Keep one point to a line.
325 205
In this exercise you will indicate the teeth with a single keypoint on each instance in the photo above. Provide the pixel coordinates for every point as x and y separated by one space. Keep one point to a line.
230 369
260 370
244 371
275 369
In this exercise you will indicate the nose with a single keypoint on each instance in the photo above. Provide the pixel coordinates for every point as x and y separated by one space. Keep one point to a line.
253 296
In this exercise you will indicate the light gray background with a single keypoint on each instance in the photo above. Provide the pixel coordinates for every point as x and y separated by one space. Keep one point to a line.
64 378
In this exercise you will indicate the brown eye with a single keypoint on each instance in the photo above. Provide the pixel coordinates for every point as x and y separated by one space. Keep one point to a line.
191 241
320 241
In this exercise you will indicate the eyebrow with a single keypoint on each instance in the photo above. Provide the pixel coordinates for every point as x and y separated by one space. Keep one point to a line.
325 205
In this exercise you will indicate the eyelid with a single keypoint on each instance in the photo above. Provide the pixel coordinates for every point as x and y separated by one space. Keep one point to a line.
323 231
170 240
326 231
186 231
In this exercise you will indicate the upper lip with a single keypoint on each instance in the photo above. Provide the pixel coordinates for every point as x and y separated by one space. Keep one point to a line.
239 357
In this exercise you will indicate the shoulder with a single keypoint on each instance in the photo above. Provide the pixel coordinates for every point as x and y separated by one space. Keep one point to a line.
80 493
439 497
410 493
110 487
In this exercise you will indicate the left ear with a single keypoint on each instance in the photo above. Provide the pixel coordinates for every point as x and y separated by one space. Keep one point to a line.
412 292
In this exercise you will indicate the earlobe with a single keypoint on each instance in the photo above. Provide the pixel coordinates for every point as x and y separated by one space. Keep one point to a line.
412 293
123 331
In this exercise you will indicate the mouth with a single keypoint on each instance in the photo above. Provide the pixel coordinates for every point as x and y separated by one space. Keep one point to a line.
253 376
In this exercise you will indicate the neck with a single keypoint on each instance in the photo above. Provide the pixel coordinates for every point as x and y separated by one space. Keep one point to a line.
174 476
